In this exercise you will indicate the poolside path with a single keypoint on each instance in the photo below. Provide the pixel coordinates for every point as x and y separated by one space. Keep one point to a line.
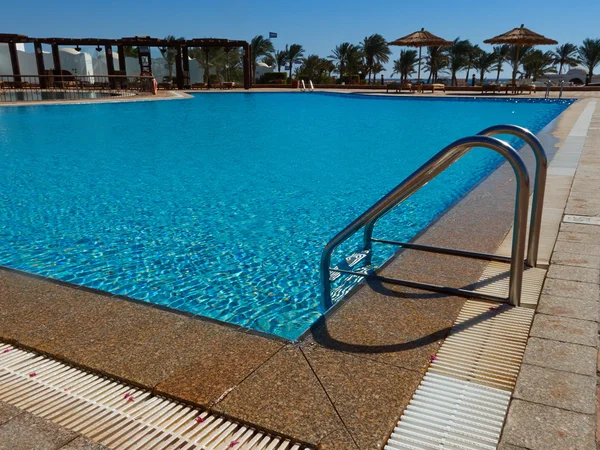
555 403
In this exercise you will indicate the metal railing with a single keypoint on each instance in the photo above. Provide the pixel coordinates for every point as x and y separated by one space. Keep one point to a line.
535 223
428 171
16 88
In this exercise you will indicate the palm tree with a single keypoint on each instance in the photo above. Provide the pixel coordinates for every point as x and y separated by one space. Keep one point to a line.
565 55
339 55
200 54
457 57
405 65
589 56
280 58
169 53
376 51
484 63
501 52
473 53
294 53
130 51
537 63
516 55
260 47
436 60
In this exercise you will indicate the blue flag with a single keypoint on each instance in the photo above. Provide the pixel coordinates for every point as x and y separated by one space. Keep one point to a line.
272 35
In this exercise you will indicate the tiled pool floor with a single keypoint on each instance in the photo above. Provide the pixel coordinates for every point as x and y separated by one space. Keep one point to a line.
342 386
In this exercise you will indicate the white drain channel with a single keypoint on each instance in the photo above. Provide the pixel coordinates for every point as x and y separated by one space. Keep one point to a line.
463 398
115 414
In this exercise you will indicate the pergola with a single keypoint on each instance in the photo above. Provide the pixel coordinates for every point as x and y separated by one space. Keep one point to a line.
182 63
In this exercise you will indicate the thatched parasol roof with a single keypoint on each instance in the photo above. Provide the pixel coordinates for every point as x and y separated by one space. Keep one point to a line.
521 36
421 39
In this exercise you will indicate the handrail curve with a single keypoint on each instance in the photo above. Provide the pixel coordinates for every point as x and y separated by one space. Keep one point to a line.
434 166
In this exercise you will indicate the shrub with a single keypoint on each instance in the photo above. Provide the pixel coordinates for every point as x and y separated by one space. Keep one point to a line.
273 77
350 79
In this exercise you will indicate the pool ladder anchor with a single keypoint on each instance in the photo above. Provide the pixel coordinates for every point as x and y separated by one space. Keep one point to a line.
427 172
310 84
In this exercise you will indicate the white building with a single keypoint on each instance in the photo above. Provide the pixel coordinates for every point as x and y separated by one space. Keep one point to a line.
575 75
82 63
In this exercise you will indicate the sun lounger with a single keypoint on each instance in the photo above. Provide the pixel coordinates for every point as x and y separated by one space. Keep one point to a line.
399 86
487 88
199 86
227 85
433 86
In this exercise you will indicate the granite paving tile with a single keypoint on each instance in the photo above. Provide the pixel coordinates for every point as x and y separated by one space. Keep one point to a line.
561 356
99 336
556 388
338 440
581 249
83 443
28 303
8 412
579 237
199 361
368 395
575 289
540 427
576 308
403 351
285 397
28 432
503 446
573 273
576 259
565 329
572 228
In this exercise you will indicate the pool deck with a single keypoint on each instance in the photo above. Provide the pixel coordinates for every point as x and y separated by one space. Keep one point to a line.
346 382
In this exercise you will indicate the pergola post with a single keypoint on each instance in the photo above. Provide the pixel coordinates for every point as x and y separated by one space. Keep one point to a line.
39 61
57 65
186 66
56 60
110 65
14 60
122 61
246 63
207 74
178 69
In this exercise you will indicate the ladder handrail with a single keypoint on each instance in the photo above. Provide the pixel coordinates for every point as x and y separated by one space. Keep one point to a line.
303 85
312 86
541 169
438 163
539 187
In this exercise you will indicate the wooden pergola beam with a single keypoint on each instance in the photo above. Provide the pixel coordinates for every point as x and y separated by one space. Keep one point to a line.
181 45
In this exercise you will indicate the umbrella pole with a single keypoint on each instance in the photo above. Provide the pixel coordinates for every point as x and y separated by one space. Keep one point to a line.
516 67
419 72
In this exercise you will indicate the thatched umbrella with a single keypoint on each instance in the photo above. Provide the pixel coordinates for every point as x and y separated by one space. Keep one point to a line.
421 39
519 37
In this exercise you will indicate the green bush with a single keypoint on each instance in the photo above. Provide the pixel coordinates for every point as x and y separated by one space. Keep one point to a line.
350 79
272 77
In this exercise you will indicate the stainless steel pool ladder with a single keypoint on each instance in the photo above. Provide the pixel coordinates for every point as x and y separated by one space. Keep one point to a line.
422 176
303 85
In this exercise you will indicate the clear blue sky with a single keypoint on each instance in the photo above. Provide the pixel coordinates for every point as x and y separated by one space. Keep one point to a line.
318 25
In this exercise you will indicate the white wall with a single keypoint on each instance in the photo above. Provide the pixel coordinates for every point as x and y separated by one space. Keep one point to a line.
82 63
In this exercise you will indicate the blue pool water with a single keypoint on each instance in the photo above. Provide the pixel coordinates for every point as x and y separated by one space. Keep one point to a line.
221 205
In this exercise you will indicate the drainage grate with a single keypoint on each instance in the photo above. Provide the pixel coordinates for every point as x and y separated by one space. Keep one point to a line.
463 398
495 279
584 220
115 414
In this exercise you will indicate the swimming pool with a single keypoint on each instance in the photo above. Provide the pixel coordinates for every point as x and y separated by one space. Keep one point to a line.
221 205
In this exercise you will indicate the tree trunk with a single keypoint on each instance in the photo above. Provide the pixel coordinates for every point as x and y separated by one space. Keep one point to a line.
498 74
468 71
